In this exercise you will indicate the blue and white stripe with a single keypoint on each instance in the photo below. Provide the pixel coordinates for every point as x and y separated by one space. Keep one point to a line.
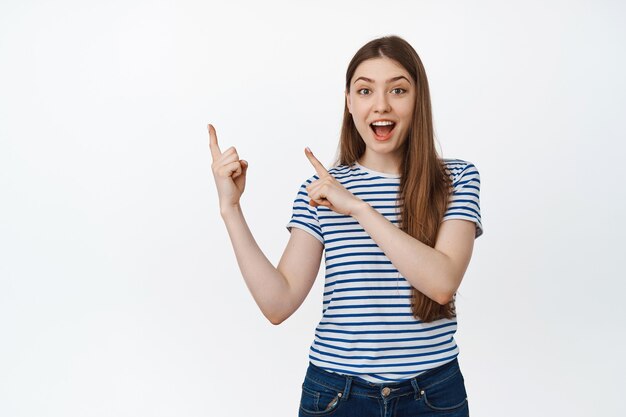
367 327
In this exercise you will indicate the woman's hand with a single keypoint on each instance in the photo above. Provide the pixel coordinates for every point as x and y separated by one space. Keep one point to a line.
328 192
229 172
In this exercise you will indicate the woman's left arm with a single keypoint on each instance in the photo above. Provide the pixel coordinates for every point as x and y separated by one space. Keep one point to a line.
436 272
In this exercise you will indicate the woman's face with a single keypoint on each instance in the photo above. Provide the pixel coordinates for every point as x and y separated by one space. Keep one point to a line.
381 99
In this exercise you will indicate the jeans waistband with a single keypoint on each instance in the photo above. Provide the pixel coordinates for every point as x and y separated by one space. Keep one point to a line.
352 385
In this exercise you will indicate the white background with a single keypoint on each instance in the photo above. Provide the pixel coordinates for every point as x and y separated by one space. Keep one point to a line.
119 291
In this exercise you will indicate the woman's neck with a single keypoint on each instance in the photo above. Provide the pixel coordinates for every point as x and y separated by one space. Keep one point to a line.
384 164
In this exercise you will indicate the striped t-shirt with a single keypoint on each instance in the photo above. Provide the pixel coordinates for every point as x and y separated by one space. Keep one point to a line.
367 327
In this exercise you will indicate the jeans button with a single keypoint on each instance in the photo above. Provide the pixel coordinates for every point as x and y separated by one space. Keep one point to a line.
386 391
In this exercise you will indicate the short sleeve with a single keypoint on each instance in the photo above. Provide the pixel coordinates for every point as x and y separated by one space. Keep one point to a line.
304 216
464 201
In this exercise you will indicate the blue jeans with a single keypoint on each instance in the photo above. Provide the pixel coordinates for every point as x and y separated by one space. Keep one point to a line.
437 392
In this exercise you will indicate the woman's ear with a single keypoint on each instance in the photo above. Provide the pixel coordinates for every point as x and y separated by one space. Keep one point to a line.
348 103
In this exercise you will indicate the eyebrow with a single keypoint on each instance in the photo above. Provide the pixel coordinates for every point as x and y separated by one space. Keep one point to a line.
369 80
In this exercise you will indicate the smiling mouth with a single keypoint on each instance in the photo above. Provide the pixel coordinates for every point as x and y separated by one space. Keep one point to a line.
383 132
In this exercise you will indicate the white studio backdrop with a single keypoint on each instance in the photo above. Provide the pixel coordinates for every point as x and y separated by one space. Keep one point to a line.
119 291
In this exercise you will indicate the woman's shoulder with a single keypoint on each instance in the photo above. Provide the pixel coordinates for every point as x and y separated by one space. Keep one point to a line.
343 170
337 171
456 166
341 167
455 162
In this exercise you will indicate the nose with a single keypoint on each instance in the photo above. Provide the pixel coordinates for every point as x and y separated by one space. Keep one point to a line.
381 105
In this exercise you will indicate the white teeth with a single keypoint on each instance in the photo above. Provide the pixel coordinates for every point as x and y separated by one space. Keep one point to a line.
382 123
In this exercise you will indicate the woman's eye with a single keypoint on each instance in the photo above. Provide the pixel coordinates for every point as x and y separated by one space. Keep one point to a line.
398 90
363 91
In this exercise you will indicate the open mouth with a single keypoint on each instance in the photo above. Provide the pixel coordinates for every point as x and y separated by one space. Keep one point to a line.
383 130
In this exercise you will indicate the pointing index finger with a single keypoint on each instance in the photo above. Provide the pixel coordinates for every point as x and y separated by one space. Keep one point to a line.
319 168
213 146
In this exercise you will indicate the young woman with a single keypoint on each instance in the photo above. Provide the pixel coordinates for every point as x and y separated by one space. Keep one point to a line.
396 224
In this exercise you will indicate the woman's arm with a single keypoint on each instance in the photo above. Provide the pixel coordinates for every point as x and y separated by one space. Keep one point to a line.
277 291
436 272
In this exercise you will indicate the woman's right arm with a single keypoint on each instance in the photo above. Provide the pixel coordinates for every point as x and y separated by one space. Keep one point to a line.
277 291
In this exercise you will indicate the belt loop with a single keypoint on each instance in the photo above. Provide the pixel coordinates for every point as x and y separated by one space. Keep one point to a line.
346 390
418 391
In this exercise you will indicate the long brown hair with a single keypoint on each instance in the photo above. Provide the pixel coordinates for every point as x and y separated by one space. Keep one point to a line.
424 184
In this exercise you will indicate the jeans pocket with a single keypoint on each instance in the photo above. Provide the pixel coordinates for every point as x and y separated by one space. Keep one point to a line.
446 395
318 400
